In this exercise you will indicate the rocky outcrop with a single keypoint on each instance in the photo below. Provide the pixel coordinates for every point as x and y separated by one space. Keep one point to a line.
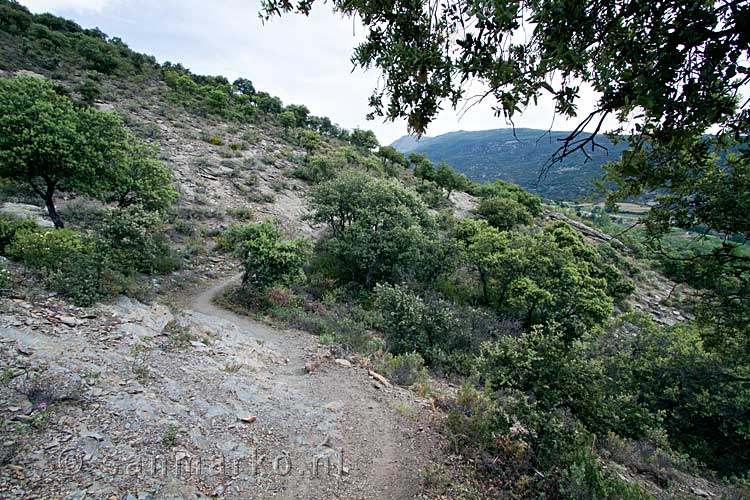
26 211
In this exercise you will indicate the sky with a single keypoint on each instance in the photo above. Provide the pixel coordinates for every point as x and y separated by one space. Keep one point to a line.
301 60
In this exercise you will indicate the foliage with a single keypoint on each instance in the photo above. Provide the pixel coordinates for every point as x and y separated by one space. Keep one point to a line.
504 213
702 399
391 156
559 375
377 229
404 369
141 179
446 336
363 139
50 143
423 168
450 180
500 189
553 275
232 237
4 276
44 249
9 228
132 239
511 441
268 258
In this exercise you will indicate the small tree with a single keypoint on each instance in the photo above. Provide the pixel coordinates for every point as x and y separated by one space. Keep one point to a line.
504 213
49 143
423 167
269 258
364 139
244 86
449 179
390 155
378 229
142 179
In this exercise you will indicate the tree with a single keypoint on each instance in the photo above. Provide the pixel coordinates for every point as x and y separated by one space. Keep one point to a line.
504 213
423 167
49 143
364 139
244 86
269 258
267 103
287 119
536 278
141 179
377 228
449 179
502 189
300 112
670 71
392 156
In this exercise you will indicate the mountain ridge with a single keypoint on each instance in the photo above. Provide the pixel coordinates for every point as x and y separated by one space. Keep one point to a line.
518 155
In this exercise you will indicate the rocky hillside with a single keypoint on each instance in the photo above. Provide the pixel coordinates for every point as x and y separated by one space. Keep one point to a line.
162 393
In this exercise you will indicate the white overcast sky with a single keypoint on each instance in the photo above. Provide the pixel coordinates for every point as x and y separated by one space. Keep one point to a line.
301 60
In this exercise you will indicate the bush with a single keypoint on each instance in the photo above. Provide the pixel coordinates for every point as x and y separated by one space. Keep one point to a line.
45 249
269 259
504 213
132 239
9 228
233 236
560 376
404 369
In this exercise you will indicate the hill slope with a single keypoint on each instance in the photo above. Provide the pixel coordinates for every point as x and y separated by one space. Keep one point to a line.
517 157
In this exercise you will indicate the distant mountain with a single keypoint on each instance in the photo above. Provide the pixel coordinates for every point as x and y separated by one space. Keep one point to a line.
488 155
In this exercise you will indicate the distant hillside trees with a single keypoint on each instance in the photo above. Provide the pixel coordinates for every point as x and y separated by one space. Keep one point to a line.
364 139
49 142
423 167
450 180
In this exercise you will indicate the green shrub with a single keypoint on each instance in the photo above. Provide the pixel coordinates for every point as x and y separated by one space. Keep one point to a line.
403 315
404 369
504 213
133 240
269 258
560 376
230 239
9 228
45 249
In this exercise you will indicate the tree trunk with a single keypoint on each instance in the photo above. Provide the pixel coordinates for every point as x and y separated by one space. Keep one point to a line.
49 202
53 212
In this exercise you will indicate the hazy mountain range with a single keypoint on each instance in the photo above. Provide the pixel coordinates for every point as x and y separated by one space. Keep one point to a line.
518 157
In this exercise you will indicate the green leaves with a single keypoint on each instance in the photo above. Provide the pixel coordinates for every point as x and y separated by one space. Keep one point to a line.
378 229
52 144
269 258
552 275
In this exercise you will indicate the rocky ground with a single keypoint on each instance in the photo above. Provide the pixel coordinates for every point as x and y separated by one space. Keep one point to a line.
134 401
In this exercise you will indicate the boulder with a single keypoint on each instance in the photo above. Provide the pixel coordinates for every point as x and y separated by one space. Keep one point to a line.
26 211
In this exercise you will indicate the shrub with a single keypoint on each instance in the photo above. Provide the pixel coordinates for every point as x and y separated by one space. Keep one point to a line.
504 213
403 315
9 228
230 239
404 369
134 240
560 376
45 249
270 259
